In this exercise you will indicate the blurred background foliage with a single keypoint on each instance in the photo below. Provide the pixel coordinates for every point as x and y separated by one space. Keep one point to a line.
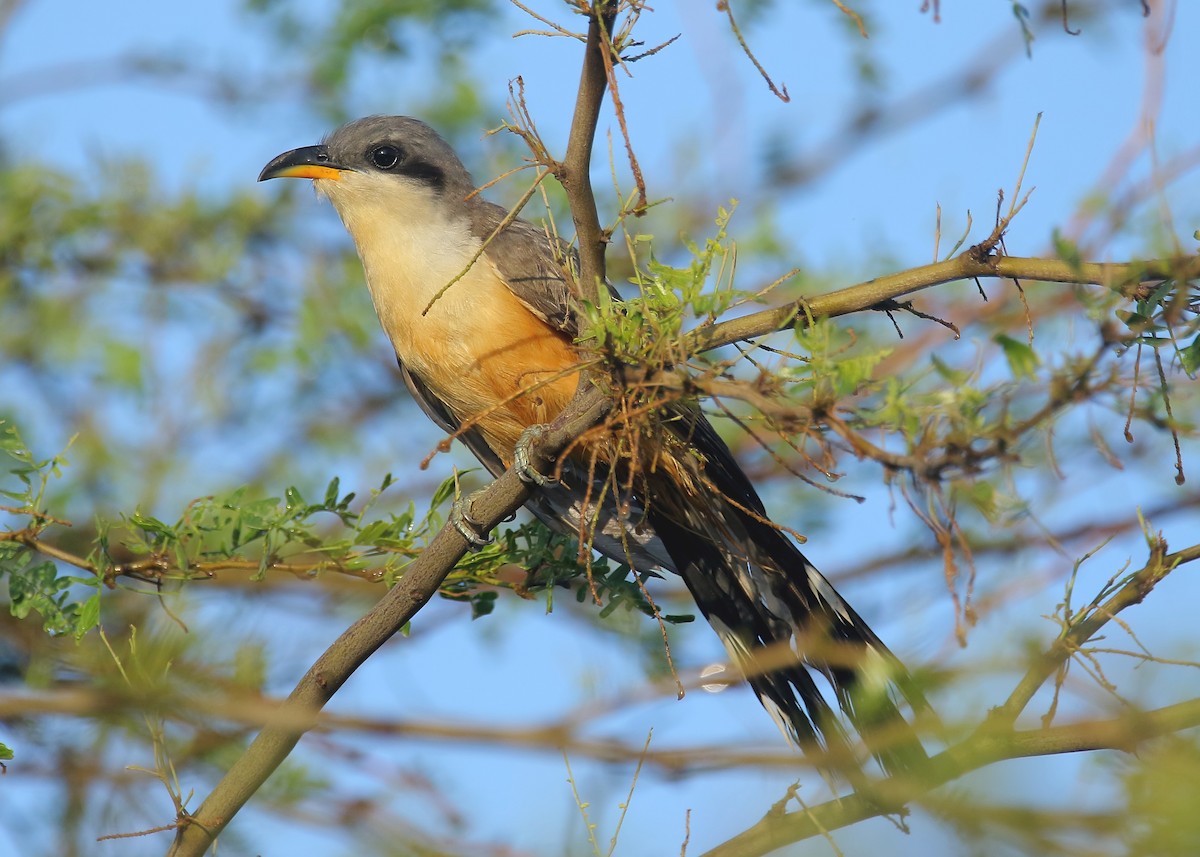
192 376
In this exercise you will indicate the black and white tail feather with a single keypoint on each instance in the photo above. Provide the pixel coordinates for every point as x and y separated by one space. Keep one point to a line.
782 622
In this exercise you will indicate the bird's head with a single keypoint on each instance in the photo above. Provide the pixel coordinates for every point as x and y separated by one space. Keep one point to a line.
380 160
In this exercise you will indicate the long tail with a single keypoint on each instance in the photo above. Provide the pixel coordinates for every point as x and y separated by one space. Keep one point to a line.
782 622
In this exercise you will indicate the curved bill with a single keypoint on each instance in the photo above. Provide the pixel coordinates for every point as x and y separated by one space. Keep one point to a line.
308 162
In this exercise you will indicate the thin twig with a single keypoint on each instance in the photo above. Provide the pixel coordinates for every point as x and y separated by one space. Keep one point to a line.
779 92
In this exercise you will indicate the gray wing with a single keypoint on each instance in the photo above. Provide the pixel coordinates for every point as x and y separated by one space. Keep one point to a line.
623 535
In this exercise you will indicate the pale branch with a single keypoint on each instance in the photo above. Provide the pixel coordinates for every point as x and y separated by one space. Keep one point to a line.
425 575
331 670
1136 587
1125 733
574 174
968 265
780 91
253 710
995 739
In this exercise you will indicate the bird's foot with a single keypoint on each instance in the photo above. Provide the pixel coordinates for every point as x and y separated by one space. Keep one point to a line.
521 460
468 527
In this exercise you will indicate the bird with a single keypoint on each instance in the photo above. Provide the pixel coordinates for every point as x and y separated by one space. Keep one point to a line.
483 312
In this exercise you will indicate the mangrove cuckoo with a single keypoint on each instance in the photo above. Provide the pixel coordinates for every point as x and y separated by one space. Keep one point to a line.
486 331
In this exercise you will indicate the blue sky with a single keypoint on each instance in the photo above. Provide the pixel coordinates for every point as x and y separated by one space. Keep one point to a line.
872 213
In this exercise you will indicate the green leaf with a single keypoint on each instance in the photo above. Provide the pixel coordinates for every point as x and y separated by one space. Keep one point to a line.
1189 356
371 533
30 590
957 377
11 443
259 514
331 493
1022 359
984 497
483 603
39 589
150 525
89 616
445 491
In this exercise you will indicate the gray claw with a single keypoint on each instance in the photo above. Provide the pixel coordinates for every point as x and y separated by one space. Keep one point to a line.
521 462
469 528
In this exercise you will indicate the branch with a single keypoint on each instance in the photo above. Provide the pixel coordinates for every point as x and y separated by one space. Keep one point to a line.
969 264
553 737
890 795
155 568
994 740
331 670
574 173
1136 588
1126 277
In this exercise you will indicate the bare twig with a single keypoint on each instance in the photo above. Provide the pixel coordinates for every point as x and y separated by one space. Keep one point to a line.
780 91
504 223
1135 589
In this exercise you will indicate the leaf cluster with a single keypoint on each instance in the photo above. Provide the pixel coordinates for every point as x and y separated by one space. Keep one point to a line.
35 584
236 533
646 329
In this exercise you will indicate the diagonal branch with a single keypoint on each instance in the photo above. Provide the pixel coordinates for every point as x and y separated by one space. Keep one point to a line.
889 796
332 669
1136 588
995 740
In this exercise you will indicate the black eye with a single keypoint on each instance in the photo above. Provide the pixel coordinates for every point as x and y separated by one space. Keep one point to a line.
385 157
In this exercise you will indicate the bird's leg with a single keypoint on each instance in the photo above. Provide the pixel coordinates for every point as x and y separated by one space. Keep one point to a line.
469 528
521 461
